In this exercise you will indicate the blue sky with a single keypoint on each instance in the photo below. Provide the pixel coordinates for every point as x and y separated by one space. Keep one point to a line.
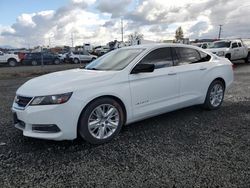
11 9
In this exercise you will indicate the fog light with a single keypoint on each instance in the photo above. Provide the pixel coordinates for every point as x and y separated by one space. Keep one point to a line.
45 128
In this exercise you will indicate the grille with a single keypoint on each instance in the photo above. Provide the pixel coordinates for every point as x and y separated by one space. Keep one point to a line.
22 101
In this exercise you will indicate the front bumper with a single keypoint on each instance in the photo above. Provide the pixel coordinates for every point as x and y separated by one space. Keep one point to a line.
53 122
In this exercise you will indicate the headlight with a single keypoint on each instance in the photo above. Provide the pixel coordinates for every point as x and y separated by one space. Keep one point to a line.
51 99
221 53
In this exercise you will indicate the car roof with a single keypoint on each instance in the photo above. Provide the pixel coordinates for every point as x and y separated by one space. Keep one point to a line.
229 40
161 45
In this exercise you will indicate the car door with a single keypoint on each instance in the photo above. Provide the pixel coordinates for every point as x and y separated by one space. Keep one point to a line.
156 92
235 51
86 56
191 66
241 51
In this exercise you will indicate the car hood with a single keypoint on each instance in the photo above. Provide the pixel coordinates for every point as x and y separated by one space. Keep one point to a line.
217 49
63 81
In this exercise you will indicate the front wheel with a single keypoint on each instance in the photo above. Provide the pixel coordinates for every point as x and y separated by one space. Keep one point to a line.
101 121
215 95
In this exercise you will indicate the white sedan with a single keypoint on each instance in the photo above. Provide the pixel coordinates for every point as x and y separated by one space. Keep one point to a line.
121 87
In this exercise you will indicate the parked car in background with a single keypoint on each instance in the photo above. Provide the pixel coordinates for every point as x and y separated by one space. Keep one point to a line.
101 50
38 58
80 56
63 56
123 86
9 58
231 49
203 45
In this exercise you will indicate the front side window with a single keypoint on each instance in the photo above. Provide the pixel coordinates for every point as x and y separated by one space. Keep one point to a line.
183 56
239 44
234 45
160 58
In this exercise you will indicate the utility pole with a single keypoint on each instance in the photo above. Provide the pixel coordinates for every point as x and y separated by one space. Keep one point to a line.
72 40
49 42
122 28
220 31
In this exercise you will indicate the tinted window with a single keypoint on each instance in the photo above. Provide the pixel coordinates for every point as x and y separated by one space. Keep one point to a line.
160 58
239 44
85 53
234 45
189 56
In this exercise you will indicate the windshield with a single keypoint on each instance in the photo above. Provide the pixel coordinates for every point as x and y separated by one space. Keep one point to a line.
221 44
115 60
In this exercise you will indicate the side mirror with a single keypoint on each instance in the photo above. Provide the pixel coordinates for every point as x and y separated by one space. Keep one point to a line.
140 68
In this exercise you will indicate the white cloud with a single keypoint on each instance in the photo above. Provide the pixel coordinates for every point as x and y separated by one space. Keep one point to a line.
98 21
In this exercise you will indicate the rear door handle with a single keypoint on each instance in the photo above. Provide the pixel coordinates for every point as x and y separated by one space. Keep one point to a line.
172 73
203 68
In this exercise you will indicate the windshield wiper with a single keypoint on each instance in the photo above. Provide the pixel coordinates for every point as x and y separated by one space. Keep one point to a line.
91 68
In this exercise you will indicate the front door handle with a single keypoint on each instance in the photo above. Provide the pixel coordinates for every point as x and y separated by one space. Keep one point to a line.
172 73
203 68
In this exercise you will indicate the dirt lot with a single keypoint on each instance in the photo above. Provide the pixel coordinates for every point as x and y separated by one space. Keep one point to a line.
185 148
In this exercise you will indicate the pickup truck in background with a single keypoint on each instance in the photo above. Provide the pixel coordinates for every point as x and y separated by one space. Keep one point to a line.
231 49
11 59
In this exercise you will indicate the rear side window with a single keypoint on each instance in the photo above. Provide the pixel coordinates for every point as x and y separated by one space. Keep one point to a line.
160 58
183 56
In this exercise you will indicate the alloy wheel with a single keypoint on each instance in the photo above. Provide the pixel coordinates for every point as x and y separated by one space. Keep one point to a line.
216 95
103 121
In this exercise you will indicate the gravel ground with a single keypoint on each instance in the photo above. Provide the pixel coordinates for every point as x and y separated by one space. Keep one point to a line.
186 148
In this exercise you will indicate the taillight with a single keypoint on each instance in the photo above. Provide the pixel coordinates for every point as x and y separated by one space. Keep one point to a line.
233 66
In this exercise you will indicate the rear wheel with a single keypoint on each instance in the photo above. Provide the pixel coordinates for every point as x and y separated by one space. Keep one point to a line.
12 62
76 61
56 61
101 121
215 95
34 63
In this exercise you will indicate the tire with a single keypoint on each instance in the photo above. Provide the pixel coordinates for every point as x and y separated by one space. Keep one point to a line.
102 130
247 60
215 95
228 56
12 62
57 61
76 61
34 63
